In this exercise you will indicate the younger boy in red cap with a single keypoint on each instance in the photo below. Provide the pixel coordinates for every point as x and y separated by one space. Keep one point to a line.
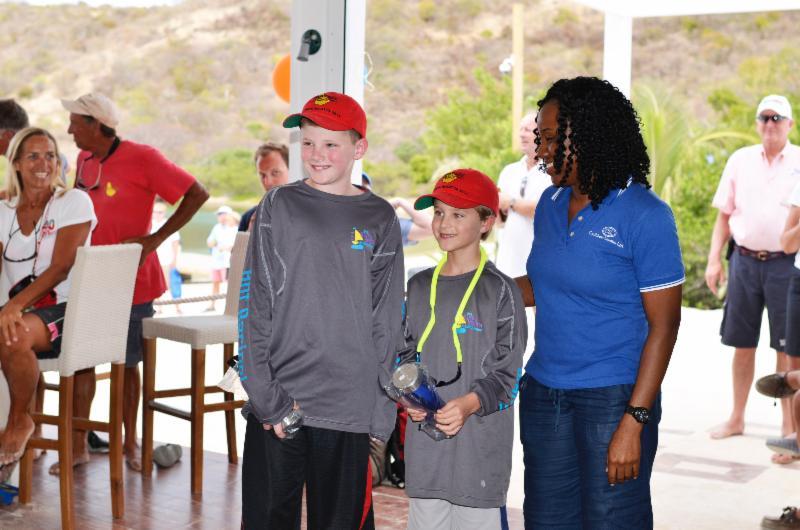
466 321
320 316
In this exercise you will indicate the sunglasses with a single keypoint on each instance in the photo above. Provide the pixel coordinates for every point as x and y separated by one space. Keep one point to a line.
81 184
46 300
763 118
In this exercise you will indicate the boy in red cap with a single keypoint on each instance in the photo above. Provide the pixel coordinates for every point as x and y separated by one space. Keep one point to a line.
319 320
465 320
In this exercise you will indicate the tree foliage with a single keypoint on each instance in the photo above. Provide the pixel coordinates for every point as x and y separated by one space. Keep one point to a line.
229 173
473 128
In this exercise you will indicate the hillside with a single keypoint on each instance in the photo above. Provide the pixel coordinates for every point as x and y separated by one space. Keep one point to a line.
195 79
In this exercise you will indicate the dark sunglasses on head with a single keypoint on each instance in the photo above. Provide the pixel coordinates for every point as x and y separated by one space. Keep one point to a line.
763 118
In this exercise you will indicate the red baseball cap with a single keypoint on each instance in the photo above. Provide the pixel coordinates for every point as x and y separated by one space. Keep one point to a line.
463 188
332 111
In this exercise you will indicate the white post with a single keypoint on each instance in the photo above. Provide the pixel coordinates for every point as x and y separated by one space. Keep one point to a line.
354 43
337 66
618 51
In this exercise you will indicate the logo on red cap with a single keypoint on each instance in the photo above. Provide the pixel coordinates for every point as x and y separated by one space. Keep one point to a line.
450 177
332 111
462 188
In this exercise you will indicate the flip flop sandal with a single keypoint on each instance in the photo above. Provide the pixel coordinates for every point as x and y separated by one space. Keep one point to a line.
774 386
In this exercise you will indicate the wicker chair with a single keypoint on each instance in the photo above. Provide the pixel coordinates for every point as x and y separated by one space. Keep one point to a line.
95 332
199 332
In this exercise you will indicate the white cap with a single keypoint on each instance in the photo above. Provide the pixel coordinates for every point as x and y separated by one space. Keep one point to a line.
95 105
775 103
224 209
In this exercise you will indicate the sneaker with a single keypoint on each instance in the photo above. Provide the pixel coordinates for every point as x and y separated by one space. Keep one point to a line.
97 444
787 519
167 455
784 446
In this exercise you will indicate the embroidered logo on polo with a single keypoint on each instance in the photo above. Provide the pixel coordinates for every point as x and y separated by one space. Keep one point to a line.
110 190
608 234
361 239
468 322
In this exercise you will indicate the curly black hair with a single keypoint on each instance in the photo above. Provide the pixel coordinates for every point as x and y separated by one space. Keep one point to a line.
604 136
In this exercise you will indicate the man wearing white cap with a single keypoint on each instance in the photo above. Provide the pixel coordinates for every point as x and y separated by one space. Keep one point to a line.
752 202
220 241
123 178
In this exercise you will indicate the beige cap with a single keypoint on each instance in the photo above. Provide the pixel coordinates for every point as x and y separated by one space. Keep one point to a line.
775 103
95 105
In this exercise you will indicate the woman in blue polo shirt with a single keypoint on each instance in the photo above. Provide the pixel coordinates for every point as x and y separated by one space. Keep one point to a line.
605 274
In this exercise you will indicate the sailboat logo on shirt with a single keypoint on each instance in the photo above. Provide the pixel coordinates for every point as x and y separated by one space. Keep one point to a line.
467 322
361 239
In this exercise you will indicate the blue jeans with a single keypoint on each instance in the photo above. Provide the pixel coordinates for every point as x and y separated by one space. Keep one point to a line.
565 436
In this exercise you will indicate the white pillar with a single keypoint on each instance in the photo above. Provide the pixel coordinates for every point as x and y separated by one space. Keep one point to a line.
618 51
337 66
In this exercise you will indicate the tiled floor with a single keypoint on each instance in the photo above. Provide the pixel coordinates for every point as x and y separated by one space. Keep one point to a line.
697 484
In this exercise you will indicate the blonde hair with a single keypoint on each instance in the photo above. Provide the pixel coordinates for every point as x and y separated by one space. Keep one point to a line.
13 178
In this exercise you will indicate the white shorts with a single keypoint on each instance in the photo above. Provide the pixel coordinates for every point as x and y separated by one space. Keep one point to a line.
437 514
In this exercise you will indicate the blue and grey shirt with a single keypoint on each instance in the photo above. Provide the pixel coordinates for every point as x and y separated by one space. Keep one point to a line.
474 467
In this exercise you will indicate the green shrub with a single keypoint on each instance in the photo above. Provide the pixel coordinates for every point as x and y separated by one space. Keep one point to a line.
473 128
229 173
426 9
565 16
422 168
694 215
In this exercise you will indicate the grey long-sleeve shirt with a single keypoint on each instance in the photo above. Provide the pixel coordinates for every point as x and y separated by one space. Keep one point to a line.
320 309
474 467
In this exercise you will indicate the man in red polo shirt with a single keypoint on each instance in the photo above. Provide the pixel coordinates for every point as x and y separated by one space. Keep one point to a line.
123 178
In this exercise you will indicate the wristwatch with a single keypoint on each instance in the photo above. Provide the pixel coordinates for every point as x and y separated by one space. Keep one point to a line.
640 414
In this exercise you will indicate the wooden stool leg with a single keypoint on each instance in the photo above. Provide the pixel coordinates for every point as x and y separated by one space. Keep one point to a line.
148 388
26 462
65 451
230 419
40 388
197 413
26 476
115 440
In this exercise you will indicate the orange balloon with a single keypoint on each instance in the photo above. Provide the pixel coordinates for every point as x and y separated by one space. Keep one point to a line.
281 78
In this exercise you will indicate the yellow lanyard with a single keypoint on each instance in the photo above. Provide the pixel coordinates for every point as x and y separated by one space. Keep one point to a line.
459 311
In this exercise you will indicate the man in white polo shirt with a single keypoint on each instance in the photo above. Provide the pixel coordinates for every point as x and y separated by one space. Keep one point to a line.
521 184
751 199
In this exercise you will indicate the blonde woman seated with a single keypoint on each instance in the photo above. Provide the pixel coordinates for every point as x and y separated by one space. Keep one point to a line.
42 225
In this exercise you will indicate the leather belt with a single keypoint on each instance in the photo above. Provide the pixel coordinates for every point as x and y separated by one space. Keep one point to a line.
760 255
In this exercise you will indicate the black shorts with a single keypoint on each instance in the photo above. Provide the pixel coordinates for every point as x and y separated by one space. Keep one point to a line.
133 353
752 286
793 316
53 318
